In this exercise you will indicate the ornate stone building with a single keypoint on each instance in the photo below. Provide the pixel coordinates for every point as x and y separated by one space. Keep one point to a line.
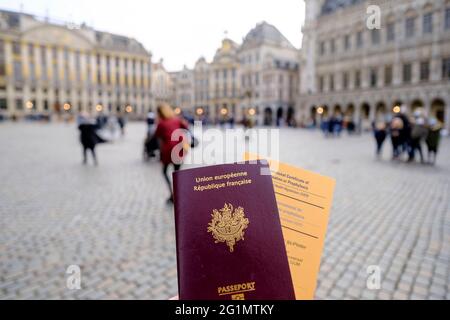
269 75
48 67
183 89
258 78
348 68
224 83
162 84
202 90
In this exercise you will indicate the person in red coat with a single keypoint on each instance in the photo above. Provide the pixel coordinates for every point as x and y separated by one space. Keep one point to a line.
172 143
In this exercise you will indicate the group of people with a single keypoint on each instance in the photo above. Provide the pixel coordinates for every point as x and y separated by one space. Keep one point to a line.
159 132
408 134
335 124
90 131
159 136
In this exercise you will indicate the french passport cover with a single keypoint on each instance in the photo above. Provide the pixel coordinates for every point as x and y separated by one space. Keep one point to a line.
229 240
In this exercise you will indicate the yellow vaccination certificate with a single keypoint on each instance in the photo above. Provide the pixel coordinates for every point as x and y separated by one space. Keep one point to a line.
304 201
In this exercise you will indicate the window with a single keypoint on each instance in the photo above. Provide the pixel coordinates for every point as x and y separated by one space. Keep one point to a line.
424 71
388 75
66 54
16 48
331 82
390 32
358 79
332 45
2 66
322 48
31 50
410 27
446 69
321 83
447 18
32 71
347 42
428 23
407 73
55 53
19 104
99 77
18 71
373 78
375 36
78 65
2 58
43 57
345 81
359 39
3 104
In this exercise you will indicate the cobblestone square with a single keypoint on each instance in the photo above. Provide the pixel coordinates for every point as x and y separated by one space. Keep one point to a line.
113 221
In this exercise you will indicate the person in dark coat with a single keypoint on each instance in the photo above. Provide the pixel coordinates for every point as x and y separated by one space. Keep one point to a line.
433 139
380 133
121 121
405 132
89 139
419 133
167 124
396 128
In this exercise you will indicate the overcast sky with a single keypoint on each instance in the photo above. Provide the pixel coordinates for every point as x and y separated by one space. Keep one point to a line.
180 31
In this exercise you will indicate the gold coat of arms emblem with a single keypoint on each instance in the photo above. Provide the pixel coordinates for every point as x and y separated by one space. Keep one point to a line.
228 225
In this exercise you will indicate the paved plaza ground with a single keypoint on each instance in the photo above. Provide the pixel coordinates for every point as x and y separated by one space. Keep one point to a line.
113 221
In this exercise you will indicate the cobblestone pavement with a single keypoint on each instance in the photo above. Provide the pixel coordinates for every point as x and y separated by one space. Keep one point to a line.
113 222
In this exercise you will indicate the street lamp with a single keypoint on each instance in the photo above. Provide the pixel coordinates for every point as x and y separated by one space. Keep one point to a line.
29 105
99 108
66 106
199 111
252 112
320 110
129 109
396 109
177 111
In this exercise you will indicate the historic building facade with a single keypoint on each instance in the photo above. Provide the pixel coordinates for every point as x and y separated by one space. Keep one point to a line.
49 67
269 73
224 83
183 88
162 84
201 87
259 78
350 69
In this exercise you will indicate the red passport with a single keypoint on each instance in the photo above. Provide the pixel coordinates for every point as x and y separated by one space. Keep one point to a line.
229 240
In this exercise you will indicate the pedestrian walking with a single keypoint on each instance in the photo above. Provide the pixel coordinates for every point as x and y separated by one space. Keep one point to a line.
168 123
418 134
433 139
121 121
380 134
89 138
396 128
405 132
